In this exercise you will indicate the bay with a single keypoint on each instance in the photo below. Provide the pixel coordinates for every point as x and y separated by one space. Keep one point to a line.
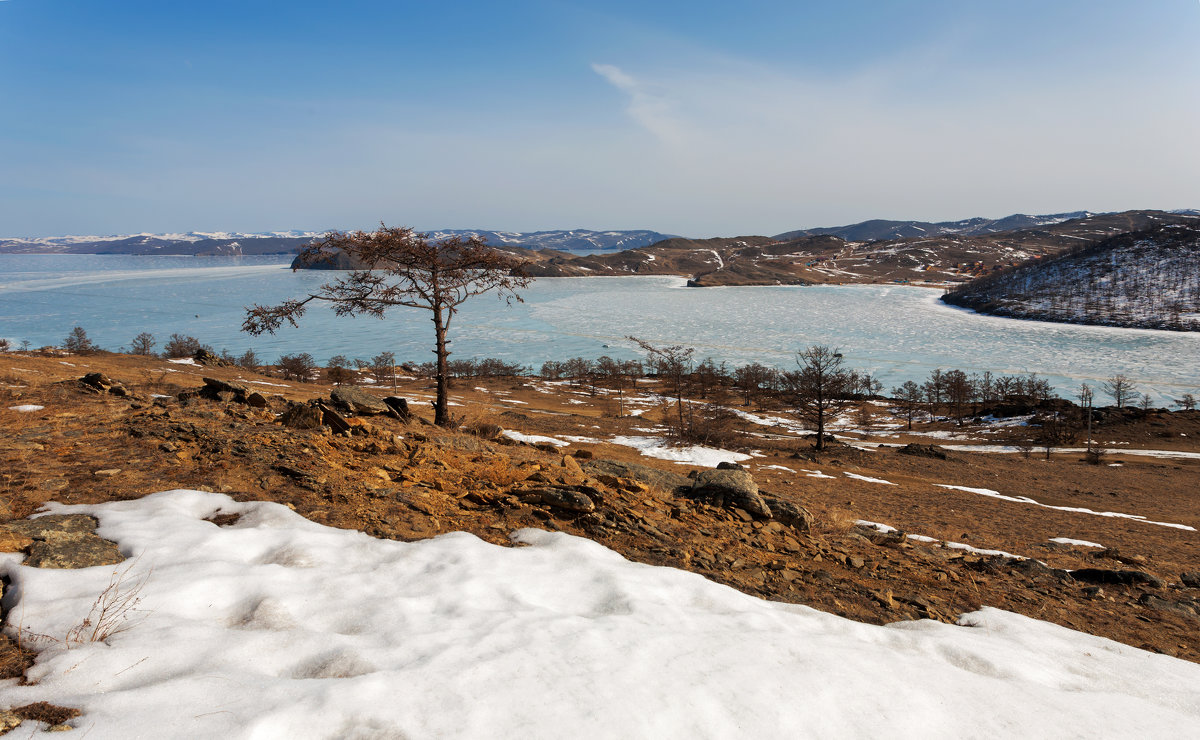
898 332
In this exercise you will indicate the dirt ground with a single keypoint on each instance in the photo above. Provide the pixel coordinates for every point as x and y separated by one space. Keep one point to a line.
412 480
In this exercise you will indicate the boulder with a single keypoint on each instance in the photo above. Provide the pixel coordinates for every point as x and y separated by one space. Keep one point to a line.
256 400
923 451
562 498
351 400
97 382
1192 579
301 416
789 514
399 407
220 390
730 489
1119 577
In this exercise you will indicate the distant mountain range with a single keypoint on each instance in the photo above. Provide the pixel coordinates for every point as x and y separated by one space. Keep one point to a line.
288 242
563 240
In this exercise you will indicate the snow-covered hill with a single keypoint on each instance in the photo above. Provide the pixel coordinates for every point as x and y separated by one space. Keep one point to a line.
877 229
1148 279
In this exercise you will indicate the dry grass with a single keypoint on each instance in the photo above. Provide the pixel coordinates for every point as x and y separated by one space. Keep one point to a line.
111 613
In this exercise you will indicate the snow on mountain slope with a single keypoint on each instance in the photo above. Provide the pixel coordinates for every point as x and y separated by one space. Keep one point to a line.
1148 279
277 627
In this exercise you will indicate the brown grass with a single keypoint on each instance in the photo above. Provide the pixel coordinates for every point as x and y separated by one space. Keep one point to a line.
111 613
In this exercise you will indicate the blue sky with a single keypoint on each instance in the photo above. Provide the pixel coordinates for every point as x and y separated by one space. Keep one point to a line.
695 118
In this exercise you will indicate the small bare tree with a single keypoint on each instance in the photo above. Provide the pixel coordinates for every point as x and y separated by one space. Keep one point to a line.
674 363
1120 388
910 395
819 387
143 344
402 268
1187 403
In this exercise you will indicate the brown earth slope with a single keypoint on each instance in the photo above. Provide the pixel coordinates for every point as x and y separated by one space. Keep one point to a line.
411 480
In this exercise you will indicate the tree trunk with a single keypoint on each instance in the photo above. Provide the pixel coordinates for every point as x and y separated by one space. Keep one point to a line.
441 407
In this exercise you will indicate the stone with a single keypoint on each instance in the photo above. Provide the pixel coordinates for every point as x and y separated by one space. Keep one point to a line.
1118 577
562 498
73 551
219 390
923 451
730 489
107 472
334 421
211 359
353 400
256 400
583 454
301 416
1192 579
97 381
789 514
45 526
399 408
64 541
571 465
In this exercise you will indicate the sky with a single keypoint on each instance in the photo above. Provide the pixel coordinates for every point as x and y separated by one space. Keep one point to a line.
696 118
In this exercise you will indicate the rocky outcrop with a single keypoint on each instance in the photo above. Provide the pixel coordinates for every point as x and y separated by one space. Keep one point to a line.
65 541
660 480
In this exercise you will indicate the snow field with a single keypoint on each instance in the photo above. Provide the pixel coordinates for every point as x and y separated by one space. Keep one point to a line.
277 627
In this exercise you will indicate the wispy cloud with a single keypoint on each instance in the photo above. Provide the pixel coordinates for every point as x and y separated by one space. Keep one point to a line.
650 108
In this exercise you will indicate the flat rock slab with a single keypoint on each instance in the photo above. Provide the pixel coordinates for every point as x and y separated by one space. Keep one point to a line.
349 399
64 541
653 477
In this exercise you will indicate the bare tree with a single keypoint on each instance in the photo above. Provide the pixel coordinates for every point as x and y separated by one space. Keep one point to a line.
1120 388
910 395
298 367
180 345
819 387
1187 403
402 268
249 360
1086 397
337 370
752 379
673 362
143 344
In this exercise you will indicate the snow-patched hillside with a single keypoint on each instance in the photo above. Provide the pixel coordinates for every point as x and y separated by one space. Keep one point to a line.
1148 279
277 627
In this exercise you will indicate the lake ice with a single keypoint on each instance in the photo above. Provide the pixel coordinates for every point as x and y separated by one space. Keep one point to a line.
898 332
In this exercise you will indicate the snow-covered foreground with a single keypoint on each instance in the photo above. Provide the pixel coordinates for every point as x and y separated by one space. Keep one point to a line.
276 627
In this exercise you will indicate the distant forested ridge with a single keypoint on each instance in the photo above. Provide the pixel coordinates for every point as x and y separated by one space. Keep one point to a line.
1147 279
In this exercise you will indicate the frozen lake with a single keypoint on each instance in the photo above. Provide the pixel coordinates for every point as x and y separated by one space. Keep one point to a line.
898 332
